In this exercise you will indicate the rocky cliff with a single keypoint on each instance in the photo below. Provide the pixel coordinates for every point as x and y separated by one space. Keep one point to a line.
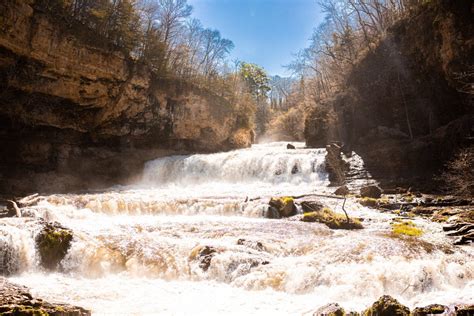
76 116
408 104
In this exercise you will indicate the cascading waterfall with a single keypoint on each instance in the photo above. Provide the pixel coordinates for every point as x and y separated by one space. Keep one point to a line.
135 248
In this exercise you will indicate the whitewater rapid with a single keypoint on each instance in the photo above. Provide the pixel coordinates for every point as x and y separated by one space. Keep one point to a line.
132 251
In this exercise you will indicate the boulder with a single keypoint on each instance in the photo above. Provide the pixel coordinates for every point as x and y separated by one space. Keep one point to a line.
271 213
371 191
466 310
311 206
285 205
332 309
387 306
342 190
429 310
52 243
290 146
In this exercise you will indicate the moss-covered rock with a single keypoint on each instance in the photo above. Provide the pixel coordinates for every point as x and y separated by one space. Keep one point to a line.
429 310
52 244
467 310
284 205
387 306
331 219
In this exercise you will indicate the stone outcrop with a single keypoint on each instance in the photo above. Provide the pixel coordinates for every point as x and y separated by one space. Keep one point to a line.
76 116
17 300
387 306
407 105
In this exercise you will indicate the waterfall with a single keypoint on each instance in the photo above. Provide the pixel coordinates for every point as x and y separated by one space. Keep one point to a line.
139 249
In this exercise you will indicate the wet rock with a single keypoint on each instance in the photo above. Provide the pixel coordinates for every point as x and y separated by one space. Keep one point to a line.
342 190
52 243
332 309
17 300
464 240
290 146
429 310
257 245
466 310
311 206
271 213
335 166
295 169
285 206
204 255
387 306
371 191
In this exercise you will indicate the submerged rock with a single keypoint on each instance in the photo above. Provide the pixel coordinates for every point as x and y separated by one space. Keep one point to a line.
371 191
290 146
387 306
52 243
257 245
429 310
271 213
332 309
204 255
17 300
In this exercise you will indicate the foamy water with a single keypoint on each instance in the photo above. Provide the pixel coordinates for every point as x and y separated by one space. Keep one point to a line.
134 248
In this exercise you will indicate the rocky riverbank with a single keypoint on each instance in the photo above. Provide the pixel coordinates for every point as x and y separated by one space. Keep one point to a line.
17 300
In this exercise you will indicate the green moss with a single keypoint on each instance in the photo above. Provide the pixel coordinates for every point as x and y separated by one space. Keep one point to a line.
287 199
407 228
331 219
29 310
52 244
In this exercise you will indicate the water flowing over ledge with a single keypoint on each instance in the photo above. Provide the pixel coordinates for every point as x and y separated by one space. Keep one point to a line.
134 248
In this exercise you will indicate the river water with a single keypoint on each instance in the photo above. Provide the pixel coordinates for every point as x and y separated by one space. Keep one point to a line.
134 248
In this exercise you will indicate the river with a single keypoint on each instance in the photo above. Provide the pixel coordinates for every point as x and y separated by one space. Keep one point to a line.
134 247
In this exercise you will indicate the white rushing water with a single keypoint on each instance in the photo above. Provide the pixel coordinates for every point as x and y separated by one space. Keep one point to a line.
134 248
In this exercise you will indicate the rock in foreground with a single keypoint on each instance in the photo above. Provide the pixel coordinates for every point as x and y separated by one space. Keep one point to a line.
387 306
17 300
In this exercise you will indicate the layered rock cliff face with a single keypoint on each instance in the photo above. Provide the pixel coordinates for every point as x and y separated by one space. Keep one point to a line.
74 116
408 104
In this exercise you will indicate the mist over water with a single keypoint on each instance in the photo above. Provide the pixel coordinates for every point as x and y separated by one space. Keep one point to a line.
134 248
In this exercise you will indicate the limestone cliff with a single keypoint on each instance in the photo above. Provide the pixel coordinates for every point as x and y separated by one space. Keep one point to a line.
91 115
408 104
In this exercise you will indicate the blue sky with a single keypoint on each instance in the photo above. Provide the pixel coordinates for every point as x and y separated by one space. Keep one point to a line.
265 32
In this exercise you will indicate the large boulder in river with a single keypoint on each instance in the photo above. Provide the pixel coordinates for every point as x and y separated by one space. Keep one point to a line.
387 306
285 206
52 243
371 191
432 309
332 309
